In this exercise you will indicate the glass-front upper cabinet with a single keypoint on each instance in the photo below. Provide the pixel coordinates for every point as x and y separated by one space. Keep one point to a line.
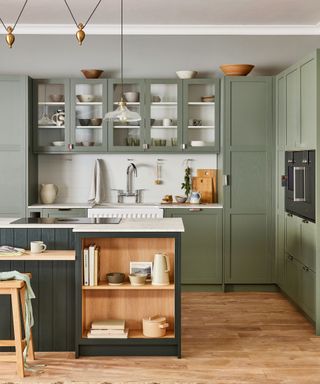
201 117
126 136
51 115
163 120
88 107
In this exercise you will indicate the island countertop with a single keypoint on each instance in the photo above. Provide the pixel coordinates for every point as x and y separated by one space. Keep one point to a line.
126 225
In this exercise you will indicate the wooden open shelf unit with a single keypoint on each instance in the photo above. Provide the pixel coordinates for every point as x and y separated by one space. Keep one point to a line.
131 303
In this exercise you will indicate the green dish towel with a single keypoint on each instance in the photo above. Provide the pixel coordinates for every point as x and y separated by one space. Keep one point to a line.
15 275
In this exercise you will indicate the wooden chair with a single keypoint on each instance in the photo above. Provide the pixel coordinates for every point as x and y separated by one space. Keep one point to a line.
16 289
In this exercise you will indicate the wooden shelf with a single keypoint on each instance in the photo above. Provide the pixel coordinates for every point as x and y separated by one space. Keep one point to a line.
63 255
133 334
88 126
164 126
164 104
89 103
128 286
51 126
128 103
201 103
51 103
127 126
201 126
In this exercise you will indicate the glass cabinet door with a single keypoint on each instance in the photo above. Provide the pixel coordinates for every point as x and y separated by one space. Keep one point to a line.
126 136
88 107
163 115
201 115
51 115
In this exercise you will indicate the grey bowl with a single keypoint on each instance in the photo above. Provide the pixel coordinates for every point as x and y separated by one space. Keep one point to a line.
84 122
180 199
115 277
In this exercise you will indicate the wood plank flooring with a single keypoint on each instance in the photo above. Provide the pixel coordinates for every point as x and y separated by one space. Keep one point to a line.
232 338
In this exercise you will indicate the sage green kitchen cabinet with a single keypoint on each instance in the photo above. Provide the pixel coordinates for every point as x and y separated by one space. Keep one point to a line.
307 291
163 115
201 119
292 279
300 285
297 104
308 244
280 249
126 136
88 107
15 161
292 108
248 169
51 115
201 245
293 235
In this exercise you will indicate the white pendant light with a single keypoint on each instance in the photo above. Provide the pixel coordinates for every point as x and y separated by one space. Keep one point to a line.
122 113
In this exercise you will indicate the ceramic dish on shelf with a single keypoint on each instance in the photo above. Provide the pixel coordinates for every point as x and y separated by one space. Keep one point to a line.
58 143
56 98
88 143
115 278
92 73
131 97
236 69
84 122
86 98
180 199
96 121
207 99
186 74
137 279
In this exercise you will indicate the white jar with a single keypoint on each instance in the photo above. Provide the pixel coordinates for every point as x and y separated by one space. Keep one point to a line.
48 193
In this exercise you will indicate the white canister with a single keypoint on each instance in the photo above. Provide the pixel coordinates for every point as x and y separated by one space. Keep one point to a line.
48 193
154 326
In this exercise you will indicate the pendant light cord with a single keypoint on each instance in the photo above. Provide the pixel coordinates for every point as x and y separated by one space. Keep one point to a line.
121 47
18 18
89 18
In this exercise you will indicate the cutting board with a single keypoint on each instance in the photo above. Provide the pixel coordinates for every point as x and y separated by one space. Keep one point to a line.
206 183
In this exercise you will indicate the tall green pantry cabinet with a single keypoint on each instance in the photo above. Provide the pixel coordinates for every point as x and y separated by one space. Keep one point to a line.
17 164
248 190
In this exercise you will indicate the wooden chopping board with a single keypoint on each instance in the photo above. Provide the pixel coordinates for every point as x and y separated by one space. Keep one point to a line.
206 183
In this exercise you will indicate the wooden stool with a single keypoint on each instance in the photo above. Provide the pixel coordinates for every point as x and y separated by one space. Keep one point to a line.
16 289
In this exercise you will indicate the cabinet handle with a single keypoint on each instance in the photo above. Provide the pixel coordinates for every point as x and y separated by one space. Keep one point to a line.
64 209
195 209
70 147
183 146
145 146
226 180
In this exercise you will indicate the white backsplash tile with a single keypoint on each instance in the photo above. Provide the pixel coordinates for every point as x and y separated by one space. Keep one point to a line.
72 174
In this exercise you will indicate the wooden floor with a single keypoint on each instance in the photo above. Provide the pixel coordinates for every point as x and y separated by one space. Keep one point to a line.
238 338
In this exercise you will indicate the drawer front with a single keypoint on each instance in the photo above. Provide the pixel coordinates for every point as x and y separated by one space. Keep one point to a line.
64 212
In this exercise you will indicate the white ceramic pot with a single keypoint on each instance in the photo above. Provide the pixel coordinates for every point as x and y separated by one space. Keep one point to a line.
154 326
48 193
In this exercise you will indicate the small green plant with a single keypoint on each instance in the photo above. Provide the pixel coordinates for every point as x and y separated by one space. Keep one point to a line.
186 185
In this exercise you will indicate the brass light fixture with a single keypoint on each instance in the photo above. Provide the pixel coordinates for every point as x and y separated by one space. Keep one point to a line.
10 38
122 113
80 35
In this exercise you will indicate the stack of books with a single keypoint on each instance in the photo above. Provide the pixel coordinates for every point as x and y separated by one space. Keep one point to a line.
91 265
108 329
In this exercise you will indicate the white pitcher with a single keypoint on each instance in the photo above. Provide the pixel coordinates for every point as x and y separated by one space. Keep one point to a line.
48 193
161 268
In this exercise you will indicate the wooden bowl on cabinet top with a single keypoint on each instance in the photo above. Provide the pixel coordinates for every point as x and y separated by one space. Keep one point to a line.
92 73
236 69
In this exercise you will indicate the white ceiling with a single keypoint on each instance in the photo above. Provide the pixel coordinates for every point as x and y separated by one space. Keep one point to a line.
244 13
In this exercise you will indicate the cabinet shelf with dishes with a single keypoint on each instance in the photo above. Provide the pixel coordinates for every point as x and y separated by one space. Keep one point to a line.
126 303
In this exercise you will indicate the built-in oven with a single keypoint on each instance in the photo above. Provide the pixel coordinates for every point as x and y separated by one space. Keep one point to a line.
300 183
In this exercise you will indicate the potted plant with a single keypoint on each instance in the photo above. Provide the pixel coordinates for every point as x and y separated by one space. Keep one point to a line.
186 185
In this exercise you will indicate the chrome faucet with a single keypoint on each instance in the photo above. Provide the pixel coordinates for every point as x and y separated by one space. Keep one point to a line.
131 170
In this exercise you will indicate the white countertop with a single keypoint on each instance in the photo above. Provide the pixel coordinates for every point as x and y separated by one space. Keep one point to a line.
126 225
122 205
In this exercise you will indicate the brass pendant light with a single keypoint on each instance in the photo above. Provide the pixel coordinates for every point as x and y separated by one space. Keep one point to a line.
122 113
80 34
10 38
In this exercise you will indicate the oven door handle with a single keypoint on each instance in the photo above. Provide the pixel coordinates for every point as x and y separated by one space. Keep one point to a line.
295 169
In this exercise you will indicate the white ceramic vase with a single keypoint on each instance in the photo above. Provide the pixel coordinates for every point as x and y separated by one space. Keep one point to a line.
48 193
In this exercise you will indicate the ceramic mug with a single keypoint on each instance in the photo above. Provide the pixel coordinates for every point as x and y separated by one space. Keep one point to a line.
167 122
37 246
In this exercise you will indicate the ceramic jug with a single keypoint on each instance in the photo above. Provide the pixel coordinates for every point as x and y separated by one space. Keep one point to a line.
161 268
195 197
48 193
59 117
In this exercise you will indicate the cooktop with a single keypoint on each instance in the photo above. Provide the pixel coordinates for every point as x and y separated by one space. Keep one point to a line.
78 220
